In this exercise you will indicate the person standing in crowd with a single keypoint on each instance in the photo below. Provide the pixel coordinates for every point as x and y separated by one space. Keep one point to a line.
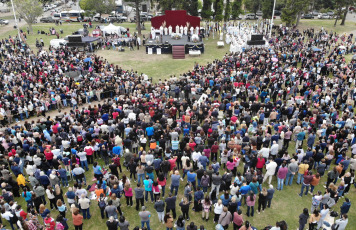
159 206
77 219
250 201
145 218
171 204
139 195
303 219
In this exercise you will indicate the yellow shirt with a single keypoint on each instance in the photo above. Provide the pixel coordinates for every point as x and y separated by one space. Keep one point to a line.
303 168
21 180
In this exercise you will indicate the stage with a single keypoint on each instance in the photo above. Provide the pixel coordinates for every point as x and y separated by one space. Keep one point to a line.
164 45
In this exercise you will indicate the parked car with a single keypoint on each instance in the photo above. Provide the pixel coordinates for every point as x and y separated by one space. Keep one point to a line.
238 18
47 20
308 16
259 13
331 13
315 13
324 16
251 17
4 22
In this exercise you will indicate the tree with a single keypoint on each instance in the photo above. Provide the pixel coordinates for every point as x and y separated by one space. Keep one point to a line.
236 9
227 11
191 6
339 12
252 5
170 4
288 16
346 10
206 12
292 12
219 8
97 6
267 9
29 10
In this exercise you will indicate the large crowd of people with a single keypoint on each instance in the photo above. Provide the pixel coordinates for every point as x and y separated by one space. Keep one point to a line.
216 137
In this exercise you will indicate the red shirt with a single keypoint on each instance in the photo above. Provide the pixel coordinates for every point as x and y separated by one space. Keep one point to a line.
89 150
49 155
192 145
260 163
173 162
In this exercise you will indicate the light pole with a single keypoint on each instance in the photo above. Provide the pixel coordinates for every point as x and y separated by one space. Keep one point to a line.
17 26
270 31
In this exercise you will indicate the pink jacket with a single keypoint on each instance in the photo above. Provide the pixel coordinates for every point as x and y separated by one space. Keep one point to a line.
249 202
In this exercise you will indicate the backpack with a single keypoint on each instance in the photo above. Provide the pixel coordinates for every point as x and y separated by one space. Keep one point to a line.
101 204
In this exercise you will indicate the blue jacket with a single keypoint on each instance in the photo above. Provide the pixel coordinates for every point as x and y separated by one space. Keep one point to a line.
198 195
117 150
345 207
44 180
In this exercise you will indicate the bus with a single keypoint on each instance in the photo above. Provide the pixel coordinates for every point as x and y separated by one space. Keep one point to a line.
73 15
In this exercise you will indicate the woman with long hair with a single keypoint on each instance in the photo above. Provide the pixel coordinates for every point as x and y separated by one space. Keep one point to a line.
51 197
58 193
250 201
128 194
62 208
168 220
156 188
262 200
184 206
314 219
206 208
44 211
180 223
161 180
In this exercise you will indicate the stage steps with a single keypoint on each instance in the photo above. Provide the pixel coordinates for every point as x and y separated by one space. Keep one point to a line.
178 52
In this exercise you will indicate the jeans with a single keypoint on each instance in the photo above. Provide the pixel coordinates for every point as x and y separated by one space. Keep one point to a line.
312 188
252 210
289 179
140 178
151 176
302 189
147 223
205 188
160 216
300 178
175 188
217 187
84 164
269 201
184 172
280 183
146 195
86 213
64 181
163 190
102 212
12 225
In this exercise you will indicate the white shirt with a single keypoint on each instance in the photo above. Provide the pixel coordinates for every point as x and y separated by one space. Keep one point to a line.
265 152
274 149
271 168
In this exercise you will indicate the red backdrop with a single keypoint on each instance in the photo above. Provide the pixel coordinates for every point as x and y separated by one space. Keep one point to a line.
174 18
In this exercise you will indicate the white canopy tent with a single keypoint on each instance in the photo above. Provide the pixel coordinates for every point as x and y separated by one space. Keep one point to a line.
112 29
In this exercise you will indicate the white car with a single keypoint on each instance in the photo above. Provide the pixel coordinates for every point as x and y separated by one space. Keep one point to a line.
324 16
4 22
